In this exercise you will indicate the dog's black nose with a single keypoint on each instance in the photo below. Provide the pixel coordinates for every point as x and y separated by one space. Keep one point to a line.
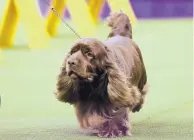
72 62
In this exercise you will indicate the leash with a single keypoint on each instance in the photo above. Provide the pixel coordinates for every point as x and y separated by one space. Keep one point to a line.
56 13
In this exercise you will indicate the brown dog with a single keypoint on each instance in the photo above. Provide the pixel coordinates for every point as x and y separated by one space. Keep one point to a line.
104 80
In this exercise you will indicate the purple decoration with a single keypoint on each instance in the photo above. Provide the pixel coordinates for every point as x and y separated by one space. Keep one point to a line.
44 8
66 13
105 11
143 8
162 8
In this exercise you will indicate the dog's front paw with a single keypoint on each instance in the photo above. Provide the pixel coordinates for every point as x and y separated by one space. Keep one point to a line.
110 134
112 131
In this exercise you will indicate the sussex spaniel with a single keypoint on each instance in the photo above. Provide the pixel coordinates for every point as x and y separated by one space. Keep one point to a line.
104 81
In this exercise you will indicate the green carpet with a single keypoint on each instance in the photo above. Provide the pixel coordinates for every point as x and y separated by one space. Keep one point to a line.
29 110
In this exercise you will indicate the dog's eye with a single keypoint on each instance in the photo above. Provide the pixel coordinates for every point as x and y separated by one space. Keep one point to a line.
89 54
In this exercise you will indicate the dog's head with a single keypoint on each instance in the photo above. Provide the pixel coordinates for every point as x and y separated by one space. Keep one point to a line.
86 60
89 75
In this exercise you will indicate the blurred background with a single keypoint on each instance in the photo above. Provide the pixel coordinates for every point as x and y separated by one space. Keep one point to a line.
34 42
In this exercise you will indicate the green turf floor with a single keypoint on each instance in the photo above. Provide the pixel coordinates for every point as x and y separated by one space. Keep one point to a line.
29 110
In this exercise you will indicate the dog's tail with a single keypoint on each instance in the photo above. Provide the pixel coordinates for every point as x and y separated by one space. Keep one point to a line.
120 24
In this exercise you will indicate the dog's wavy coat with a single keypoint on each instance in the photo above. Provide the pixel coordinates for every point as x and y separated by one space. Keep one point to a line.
104 80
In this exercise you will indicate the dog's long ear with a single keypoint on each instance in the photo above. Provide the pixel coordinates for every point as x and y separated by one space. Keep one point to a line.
120 92
65 86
